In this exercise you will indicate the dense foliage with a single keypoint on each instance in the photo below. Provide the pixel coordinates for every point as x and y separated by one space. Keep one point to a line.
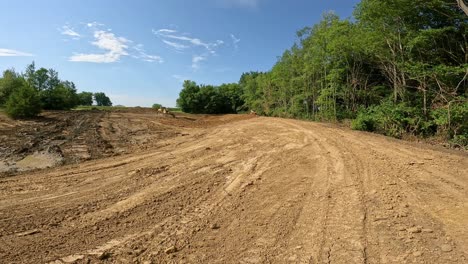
23 102
208 99
102 99
397 67
85 98
25 95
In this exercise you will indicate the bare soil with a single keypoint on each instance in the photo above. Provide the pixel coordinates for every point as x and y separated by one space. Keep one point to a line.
142 188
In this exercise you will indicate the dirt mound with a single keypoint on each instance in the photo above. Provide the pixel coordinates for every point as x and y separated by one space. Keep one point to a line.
71 137
259 190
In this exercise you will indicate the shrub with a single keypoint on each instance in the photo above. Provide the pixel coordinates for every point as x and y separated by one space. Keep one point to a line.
364 122
392 120
453 123
24 102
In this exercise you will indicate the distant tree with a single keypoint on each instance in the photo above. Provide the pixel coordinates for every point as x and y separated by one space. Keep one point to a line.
157 106
24 102
85 98
209 99
102 99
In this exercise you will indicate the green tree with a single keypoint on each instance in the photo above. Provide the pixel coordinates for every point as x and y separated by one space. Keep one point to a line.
157 106
85 98
24 102
60 97
231 94
189 100
9 82
102 99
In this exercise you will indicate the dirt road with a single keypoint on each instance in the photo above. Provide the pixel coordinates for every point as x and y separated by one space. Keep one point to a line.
260 190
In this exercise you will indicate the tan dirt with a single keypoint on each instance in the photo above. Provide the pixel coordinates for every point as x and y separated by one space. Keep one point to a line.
236 189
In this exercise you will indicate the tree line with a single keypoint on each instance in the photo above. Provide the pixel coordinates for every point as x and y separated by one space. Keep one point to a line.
210 99
396 67
26 94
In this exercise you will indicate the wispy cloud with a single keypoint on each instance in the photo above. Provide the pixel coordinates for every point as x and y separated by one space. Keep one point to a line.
141 54
68 31
196 59
175 45
165 30
235 41
181 41
94 24
13 53
239 3
116 47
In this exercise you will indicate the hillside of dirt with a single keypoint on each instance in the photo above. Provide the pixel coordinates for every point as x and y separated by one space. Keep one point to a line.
70 137
228 189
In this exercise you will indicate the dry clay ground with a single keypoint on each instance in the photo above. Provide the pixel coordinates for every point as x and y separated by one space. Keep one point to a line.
235 189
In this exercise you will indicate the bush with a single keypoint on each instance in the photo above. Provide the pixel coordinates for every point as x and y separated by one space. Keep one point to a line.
23 103
157 106
392 120
454 123
460 140
363 122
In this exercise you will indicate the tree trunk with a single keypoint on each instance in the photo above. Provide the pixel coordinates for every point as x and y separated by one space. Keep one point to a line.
463 5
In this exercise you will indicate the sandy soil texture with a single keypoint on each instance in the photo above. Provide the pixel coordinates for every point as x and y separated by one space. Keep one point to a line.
234 189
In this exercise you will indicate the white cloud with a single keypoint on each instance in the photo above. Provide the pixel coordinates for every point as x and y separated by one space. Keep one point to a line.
196 59
68 31
165 30
112 47
150 58
13 53
142 55
182 41
94 24
175 45
235 41
116 47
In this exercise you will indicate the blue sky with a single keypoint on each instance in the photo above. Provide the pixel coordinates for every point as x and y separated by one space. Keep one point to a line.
139 52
